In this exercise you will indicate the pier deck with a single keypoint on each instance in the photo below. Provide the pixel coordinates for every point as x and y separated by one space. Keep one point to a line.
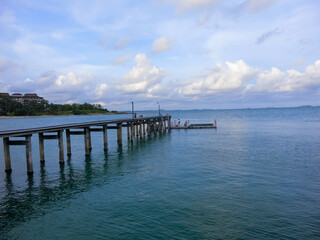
136 127
195 126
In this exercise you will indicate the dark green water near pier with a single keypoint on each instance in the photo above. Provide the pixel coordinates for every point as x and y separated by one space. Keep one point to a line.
255 177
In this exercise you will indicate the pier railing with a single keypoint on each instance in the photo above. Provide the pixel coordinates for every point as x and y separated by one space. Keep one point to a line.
136 127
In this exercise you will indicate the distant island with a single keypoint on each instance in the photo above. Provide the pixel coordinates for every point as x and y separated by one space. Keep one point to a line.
30 104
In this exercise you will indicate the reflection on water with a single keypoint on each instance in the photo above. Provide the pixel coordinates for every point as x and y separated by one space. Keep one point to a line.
21 203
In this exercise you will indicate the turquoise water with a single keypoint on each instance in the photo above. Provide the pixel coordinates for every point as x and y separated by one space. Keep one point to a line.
255 177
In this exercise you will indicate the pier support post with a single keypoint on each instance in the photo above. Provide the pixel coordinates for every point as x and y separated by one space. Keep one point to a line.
86 140
132 132
90 147
133 129
169 122
68 142
41 147
140 128
155 126
137 129
161 124
29 155
7 160
128 131
148 128
119 133
61 152
105 137
144 128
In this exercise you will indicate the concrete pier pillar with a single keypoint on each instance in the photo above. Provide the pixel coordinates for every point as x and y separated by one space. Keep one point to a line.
29 155
90 147
140 129
148 128
61 151
86 140
133 128
154 126
137 129
128 131
68 142
132 132
144 128
105 137
161 125
169 122
119 134
41 147
7 160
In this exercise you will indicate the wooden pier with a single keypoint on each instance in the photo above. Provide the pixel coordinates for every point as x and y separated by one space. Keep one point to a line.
136 127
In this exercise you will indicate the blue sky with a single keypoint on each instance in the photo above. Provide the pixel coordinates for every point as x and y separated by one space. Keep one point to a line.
184 54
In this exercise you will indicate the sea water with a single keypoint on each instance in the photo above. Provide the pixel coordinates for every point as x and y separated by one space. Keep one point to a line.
254 177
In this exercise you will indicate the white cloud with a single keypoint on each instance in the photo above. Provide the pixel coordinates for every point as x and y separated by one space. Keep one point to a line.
101 90
121 60
72 80
28 80
143 76
246 79
221 79
162 44
289 81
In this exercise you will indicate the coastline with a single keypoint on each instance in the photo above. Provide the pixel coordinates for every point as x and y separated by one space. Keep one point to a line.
52 115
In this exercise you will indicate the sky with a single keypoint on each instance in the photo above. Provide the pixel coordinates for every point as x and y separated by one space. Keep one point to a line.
184 54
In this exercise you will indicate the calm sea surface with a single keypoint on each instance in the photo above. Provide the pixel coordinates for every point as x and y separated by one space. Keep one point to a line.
256 177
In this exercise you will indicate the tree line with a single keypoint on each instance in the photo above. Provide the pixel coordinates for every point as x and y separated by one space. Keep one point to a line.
8 107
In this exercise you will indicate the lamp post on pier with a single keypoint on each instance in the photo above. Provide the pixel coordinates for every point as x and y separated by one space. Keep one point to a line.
132 109
159 107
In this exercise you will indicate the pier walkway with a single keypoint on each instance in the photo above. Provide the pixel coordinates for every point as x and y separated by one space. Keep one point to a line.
136 127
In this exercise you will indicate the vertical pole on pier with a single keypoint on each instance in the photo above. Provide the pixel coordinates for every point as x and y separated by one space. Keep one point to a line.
105 137
132 132
68 142
119 133
41 146
86 140
61 152
29 154
164 125
7 160
169 122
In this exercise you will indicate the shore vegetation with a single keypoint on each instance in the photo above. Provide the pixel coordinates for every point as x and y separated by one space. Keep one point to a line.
8 107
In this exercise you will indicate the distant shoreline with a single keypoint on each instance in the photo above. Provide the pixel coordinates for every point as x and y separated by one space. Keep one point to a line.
52 115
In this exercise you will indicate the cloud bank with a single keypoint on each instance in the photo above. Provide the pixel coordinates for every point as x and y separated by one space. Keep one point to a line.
142 77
